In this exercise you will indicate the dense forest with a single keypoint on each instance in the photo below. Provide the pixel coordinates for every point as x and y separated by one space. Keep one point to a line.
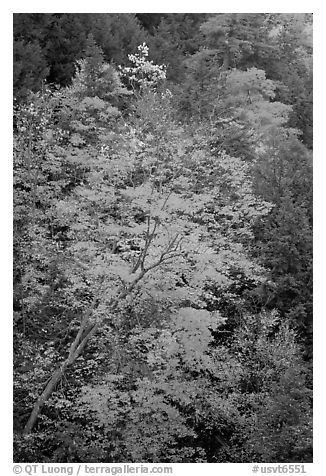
162 237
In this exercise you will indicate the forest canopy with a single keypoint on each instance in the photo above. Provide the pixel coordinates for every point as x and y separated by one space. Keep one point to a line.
162 237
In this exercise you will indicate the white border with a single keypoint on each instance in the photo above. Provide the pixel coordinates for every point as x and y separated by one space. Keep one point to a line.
319 466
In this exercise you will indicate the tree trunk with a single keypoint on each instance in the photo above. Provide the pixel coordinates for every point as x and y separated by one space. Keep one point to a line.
226 57
75 349
56 377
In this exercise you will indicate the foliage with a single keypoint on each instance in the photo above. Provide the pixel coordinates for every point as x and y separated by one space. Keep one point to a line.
162 287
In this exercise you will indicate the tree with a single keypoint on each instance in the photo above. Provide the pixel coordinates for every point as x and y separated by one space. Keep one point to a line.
237 37
292 65
118 35
47 46
29 33
174 38
30 68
